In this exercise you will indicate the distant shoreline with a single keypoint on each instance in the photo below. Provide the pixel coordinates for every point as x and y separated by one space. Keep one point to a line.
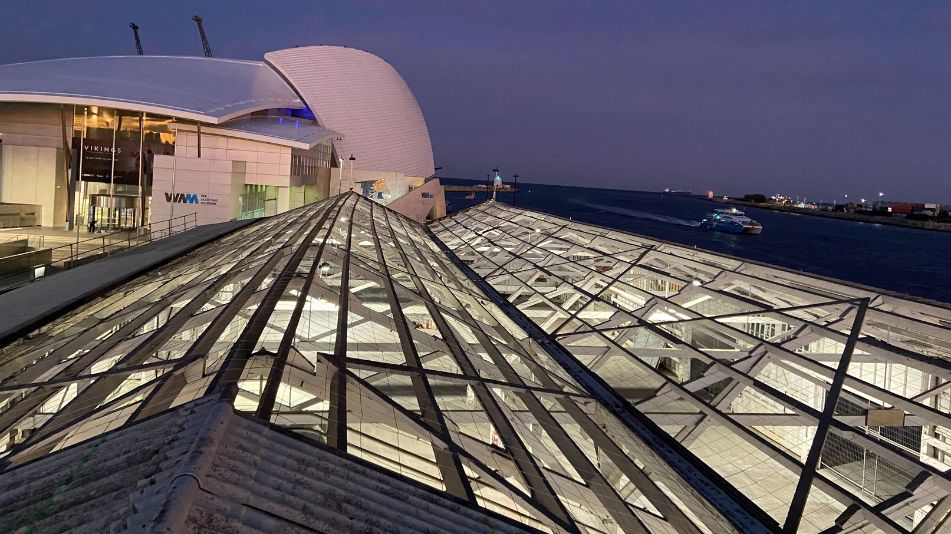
856 217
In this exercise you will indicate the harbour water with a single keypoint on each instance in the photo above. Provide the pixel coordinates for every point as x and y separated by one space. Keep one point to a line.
911 261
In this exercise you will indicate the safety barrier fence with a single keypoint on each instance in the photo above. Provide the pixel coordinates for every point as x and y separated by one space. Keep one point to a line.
25 267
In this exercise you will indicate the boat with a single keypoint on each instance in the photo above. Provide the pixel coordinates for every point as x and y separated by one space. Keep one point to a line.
669 191
470 196
731 220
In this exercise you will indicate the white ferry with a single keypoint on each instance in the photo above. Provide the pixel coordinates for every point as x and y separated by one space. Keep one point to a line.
731 220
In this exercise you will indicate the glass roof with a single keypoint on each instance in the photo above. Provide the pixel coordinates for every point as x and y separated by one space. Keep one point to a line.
825 403
352 326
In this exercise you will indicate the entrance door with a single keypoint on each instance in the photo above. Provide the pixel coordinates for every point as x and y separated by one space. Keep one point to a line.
113 213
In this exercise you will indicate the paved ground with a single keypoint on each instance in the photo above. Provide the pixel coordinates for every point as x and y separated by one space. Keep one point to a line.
50 296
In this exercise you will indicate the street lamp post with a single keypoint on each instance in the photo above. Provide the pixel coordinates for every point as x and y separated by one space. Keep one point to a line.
117 120
352 159
340 177
82 188
515 190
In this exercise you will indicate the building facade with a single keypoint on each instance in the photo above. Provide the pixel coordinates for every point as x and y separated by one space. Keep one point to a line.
129 140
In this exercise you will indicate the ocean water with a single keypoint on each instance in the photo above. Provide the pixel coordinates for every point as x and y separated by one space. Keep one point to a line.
911 261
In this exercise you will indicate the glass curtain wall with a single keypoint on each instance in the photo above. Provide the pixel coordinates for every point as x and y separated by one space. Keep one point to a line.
113 154
311 175
258 201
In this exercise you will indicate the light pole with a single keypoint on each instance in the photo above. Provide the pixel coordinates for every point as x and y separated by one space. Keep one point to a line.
352 159
117 120
515 190
340 176
82 188
141 193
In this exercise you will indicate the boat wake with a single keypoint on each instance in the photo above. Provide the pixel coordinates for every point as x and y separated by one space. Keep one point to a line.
638 214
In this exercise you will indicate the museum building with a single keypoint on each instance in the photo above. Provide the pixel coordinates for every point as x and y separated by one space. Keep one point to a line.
129 140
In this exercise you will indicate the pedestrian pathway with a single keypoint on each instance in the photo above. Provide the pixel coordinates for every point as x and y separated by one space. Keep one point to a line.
50 296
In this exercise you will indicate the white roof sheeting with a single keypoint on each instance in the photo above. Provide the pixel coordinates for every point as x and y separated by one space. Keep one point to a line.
282 131
203 89
361 95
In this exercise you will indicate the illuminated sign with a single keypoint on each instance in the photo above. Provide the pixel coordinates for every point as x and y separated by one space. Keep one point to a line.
90 148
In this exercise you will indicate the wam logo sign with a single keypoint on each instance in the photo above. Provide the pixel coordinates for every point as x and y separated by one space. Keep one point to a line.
181 198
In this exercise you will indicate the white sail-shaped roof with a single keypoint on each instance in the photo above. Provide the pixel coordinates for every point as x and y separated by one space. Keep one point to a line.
361 95
209 90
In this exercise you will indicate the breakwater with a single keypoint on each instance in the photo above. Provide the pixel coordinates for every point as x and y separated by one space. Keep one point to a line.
846 216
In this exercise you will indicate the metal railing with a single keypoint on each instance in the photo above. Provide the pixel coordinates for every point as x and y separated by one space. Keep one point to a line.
35 263
168 227
32 240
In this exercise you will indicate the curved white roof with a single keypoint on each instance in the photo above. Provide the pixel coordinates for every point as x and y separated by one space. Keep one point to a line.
197 88
357 93
301 134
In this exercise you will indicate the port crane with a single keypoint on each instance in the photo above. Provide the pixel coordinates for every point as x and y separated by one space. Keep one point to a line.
138 43
204 38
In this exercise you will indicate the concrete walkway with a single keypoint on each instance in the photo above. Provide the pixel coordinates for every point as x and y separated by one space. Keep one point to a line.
36 303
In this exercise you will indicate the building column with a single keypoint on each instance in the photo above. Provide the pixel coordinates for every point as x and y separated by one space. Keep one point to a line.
283 199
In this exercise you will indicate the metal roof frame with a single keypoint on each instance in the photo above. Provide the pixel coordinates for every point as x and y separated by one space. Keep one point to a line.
346 322
728 355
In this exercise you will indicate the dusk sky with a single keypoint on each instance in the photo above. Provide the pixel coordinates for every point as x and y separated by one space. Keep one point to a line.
810 98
